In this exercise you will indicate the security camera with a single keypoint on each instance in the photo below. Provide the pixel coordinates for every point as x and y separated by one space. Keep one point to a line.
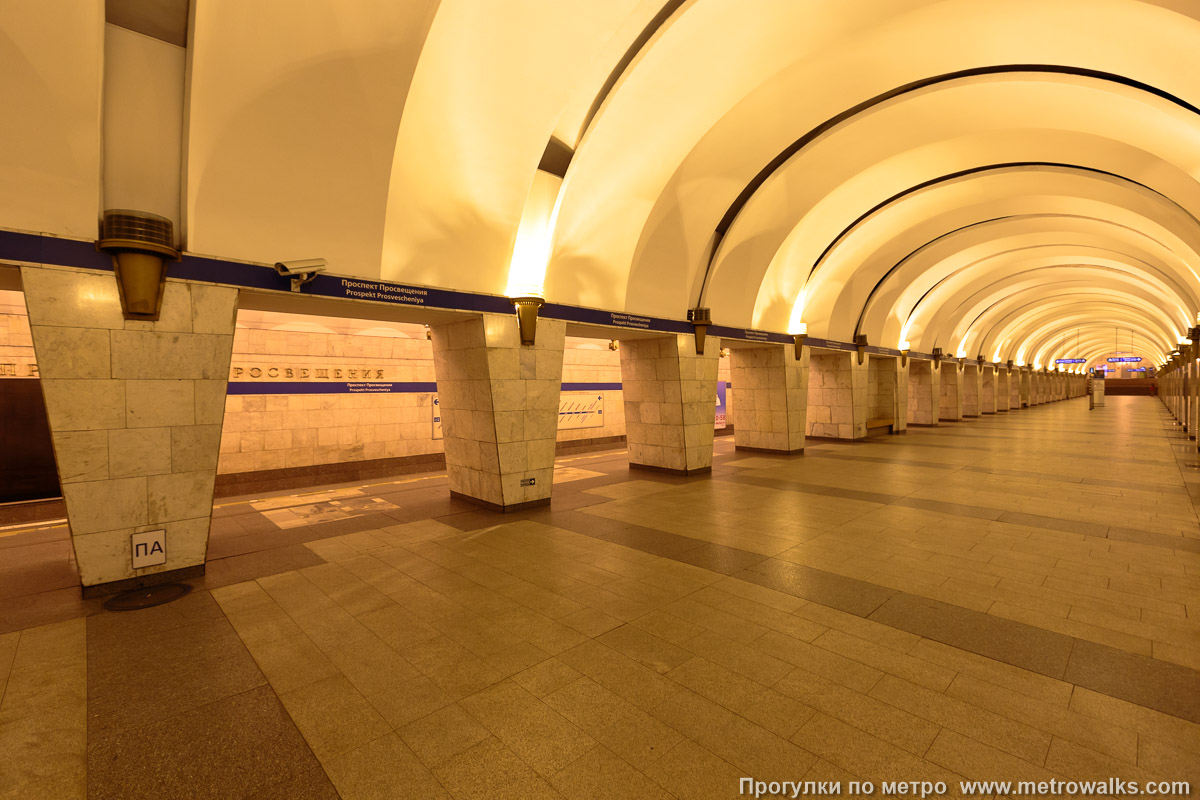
301 272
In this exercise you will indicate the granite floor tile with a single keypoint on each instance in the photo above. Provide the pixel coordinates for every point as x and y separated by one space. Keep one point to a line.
1023 646
379 770
529 727
443 734
238 747
957 601
601 774
490 771
1147 682
333 717
633 734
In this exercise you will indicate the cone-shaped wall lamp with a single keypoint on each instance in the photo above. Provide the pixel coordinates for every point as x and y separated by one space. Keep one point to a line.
140 244
527 314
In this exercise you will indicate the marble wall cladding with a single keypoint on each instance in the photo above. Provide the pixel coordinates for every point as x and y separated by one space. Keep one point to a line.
837 396
882 383
950 392
972 390
1002 393
499 403
924 392
1014 390
1026 399
588 361
263 432
987 397
283 431
135 411
16 341
669 396
771 390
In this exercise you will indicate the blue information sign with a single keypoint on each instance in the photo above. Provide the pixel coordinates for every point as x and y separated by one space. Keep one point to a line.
1125 360
1070 361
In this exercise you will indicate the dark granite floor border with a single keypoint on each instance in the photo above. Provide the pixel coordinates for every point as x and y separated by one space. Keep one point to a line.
1144 681
177 707
1116 533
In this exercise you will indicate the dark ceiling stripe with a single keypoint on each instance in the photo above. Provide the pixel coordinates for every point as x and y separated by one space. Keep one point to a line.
659 19
1108 302
1010 165
954 176
989 309
866 303
1151 268
999 69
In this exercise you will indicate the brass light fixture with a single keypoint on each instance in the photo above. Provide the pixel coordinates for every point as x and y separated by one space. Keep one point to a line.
140 244
527 313
614 345
860 344
798 339
938 355
700 319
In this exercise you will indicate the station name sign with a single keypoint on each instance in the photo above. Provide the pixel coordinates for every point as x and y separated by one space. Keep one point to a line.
1070 361
305 373
1125 360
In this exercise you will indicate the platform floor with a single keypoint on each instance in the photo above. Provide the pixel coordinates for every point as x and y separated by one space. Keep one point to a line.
1015 597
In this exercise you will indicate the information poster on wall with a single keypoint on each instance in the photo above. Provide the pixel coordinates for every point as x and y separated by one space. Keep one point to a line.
580 410
719 421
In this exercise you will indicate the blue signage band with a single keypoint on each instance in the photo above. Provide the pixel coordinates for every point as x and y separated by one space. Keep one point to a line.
34 248
371 387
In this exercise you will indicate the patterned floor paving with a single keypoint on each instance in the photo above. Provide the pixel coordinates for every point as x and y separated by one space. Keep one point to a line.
1011 598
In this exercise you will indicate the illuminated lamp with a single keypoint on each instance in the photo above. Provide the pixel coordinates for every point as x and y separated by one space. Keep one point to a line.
527 314
140 245
860 344
700 318
905 349
798 338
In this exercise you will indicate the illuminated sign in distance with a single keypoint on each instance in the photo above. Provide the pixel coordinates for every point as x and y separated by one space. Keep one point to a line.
1125 360
1070 361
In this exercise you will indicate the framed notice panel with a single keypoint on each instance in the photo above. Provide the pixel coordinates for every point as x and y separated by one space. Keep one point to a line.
580 410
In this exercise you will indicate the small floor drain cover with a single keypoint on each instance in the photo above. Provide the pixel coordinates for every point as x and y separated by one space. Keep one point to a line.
147 597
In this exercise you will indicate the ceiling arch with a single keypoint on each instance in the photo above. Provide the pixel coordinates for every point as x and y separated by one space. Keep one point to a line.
950 173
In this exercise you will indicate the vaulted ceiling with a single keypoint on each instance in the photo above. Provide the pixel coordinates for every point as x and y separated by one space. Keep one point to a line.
1016 180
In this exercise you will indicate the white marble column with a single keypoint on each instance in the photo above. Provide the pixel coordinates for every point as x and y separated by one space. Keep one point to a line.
972 389
670 396
499 405
950 391
987 397
1002 393
837 395
135 411
901 395
924 393
770 392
